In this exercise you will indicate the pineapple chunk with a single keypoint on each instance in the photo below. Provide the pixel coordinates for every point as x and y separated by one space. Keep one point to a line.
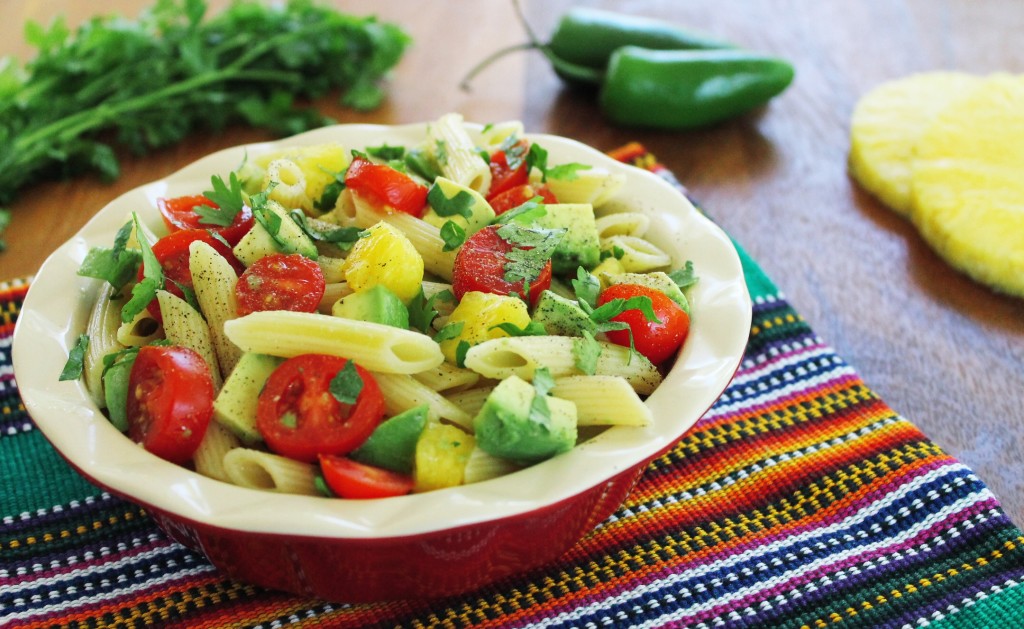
968 183
479 313
886 125
385 256
441 455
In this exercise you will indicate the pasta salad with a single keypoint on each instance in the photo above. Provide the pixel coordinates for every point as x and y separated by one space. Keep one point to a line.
369 322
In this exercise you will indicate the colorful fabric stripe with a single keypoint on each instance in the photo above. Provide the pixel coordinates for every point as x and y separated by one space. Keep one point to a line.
799 500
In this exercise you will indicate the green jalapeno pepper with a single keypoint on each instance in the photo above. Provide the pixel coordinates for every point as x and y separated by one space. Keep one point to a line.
680 89
587 38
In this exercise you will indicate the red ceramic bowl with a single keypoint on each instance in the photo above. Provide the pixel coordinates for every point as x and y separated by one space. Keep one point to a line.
431 544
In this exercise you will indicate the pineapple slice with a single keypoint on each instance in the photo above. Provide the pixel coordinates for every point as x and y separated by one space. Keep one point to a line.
886 124
968 183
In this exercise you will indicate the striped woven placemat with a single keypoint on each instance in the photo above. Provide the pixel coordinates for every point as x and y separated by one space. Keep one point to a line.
800 500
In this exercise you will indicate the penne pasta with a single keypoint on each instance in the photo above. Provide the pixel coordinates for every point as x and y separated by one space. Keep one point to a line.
402 392
622 224
371 345
482 466
603 401
102 328
447 376
470 400
593 185
522 355
256 469
456 155
638 255
289 184
214 283
209 456
141 330
183 325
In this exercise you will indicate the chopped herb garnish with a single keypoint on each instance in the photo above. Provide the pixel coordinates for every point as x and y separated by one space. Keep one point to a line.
531 250
542 384
228 197
116 265
152 277
453 236
524 214
421 163
343 237
460 353
587 288
386 153
459 205
586 351
76 359
532 328
329 197
450 331
347 384
684 277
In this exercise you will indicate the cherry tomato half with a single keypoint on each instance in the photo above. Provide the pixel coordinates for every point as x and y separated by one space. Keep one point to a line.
179 213
299 417
280 282
172 253
480 266
505 177
170 401
384 187
514 197
351 479
655 340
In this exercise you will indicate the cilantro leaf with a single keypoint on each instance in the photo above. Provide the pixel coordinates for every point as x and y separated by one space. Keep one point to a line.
116 265
459 205
343 237
460 353
586 351
386 153
76 359
587 289
540 413
450 331
565 172
5 220
532 328
538 158
346 384
531 250
228 198
615 307
329 197
421 163
453 235
152 278
421 311
524 214
684 277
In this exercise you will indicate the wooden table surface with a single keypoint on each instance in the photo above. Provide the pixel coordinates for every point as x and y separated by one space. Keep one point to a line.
943 351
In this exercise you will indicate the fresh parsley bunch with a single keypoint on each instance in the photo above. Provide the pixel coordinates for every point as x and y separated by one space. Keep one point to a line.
149 83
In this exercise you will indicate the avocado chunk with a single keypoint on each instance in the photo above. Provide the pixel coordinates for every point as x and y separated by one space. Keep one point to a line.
657 280
511 425
377 304
235 404
561 316
580 245
392 445
288 237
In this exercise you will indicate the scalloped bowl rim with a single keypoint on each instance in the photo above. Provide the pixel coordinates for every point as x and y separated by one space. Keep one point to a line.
56 308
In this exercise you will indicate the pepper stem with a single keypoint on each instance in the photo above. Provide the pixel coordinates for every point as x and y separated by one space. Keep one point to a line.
491 58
